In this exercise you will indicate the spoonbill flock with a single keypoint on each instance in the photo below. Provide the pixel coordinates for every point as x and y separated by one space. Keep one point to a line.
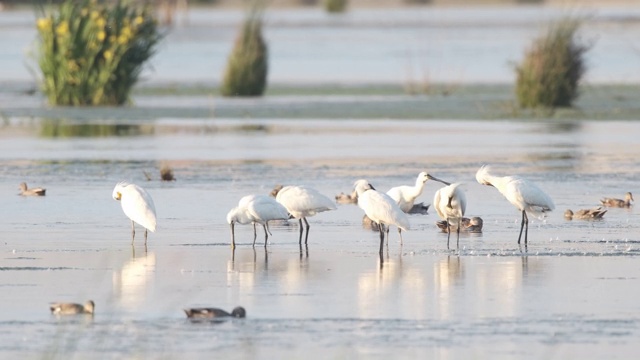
382 210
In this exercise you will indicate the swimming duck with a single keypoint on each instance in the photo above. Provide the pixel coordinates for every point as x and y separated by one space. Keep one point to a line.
587 214
471 225
612 202
210 313
24 191
343 198
71 308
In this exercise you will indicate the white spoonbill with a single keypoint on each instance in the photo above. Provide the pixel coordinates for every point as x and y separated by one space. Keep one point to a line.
256 209
138 206
302 202
521 193
381 209
451 203
406 195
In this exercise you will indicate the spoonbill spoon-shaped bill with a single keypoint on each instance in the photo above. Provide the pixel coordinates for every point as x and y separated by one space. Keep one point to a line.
37 191
71 308
381 209
586 214
613 202
406 195
211 313
526 196
450 203
302 202
138 205
256 209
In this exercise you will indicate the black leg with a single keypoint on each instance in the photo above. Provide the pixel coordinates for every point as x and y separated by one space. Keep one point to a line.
300 238
133 231
381 230
268 230
400 233
145 237
448 233
526 230
233 236
458 241
266 235
521 226
306 236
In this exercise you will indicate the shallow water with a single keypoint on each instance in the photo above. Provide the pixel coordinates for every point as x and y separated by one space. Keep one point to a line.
569 294
389 45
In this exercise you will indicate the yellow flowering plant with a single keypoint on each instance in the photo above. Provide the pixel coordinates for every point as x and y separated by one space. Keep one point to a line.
92 52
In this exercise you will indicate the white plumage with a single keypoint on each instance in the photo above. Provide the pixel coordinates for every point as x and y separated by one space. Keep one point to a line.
405 195
450 203
256 209
302 202
526 196
380 208
138 205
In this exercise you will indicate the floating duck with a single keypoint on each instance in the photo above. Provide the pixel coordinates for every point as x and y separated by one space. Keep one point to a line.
470 225
24 191
71 308
210 313
612 202
586 214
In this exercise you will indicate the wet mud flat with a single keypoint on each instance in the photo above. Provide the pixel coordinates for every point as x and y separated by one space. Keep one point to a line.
568 294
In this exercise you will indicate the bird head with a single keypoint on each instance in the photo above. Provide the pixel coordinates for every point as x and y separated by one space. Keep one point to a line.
361 186
276 190
482 176
239 312
118 190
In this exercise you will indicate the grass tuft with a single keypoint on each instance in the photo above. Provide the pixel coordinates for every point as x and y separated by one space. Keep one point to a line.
92 53
550 74
247 66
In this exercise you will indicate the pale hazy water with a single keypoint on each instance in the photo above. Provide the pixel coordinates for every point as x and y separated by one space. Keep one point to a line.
571 294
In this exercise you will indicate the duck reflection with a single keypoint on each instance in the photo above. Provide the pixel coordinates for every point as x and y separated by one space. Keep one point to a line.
132 283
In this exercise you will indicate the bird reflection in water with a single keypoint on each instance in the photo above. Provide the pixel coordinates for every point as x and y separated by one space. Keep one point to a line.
132 282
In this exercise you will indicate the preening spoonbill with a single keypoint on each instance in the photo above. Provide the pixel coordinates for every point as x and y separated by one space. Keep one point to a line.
381 209
137 204
302 202
256 209
612 202
210 313
406 195
71 308
586 214
451 203
24 191
521 193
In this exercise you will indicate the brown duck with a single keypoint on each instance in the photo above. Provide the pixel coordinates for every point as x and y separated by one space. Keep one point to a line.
211 313
71 308
612 202
586 214
25 191
471 225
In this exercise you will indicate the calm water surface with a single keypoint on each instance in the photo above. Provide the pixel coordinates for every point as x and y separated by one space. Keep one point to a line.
570 294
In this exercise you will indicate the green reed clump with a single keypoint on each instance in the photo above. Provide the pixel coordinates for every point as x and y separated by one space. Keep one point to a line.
552 68
92 52
248 63
335 6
